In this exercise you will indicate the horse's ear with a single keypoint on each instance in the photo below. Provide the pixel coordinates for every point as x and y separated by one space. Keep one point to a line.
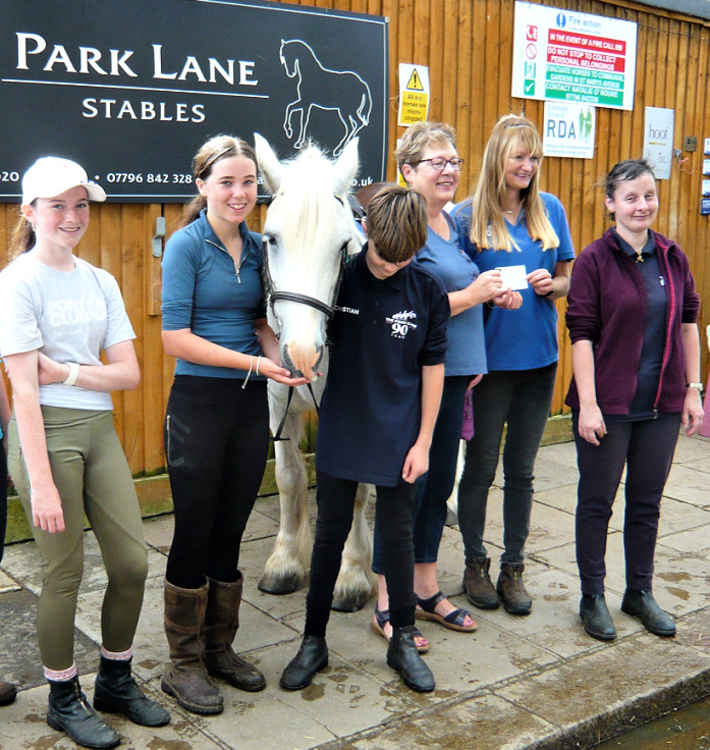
346 168
268 163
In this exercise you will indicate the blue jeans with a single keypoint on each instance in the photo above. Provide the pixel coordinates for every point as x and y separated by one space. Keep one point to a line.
647 448
522 399
434 488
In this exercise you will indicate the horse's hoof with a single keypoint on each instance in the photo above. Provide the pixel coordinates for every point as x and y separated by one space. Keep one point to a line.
280 585
351 602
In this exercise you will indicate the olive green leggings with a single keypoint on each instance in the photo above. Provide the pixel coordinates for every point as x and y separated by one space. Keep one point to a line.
91 474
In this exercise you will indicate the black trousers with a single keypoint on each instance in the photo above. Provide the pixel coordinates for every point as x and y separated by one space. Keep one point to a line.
646 447
394 518
216 442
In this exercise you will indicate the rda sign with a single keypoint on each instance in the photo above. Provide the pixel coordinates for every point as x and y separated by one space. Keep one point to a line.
131 89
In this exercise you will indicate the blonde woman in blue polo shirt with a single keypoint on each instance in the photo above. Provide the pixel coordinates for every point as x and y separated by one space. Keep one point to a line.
216 425
509 222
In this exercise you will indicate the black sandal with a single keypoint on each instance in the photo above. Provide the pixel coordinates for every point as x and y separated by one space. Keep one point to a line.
382 617
426 610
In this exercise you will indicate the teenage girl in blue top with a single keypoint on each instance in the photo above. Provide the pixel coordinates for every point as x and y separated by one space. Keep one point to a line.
216 425
509 222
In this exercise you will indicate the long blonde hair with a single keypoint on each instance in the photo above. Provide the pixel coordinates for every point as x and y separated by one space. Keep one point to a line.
488 228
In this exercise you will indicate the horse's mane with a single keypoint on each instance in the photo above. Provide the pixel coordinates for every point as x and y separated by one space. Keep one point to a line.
308 181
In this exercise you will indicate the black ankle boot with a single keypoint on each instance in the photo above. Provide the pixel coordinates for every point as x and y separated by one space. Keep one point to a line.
642 604
70 712
402 656
311 658
116 692
596 618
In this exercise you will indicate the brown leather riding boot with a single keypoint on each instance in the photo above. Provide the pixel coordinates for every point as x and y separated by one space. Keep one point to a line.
477 584
186 679
511 589
221 624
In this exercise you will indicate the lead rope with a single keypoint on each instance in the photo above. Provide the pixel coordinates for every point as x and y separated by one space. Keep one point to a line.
278 436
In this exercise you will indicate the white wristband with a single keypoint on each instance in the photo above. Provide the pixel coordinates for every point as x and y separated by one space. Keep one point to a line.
73 374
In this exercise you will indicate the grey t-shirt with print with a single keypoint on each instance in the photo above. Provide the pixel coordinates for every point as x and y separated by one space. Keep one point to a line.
70 316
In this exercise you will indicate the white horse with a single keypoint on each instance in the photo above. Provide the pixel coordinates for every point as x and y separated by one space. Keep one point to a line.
308 232
340 91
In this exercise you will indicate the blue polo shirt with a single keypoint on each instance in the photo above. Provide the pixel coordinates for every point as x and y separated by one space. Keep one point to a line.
522 339
371 409
203 291
466 348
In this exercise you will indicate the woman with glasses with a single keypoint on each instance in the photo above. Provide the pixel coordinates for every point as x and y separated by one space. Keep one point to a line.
429 162
509 222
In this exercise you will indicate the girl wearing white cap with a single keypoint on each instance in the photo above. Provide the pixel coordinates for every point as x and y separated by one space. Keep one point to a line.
60 312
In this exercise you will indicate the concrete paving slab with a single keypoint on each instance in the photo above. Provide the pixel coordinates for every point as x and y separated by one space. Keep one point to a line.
588 698
7 583
692 450
554 622
486 722
690 485
19 653
694 542
24 725
519 682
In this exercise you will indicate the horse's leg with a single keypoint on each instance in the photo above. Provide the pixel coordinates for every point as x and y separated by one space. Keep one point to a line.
305 119
338 149
285 570
355 582
290 109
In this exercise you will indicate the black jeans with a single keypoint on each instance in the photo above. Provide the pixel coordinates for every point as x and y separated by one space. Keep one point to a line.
522 399
434 488
394 516
216 443
647 449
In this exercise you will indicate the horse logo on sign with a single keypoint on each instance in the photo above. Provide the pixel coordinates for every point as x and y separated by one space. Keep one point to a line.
340 91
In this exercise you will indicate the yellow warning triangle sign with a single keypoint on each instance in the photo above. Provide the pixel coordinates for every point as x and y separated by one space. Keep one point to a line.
415 82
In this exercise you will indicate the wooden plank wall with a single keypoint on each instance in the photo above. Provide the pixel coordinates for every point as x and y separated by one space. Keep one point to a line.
467 45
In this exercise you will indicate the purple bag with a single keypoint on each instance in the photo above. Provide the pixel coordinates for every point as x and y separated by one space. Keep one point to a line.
467 426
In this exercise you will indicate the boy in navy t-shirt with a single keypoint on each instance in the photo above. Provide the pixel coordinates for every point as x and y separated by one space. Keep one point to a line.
376 422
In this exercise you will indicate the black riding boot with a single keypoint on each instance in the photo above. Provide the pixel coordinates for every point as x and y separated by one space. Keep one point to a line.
402 655
117 692
70 712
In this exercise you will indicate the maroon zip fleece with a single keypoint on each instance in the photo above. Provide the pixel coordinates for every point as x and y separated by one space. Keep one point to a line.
607 306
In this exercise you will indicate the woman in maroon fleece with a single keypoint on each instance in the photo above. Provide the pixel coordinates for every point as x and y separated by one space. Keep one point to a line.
636 357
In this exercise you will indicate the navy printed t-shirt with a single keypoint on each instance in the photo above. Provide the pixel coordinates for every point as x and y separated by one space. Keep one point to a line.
371 408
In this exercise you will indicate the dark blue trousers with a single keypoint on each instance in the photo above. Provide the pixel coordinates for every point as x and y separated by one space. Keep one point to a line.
647 448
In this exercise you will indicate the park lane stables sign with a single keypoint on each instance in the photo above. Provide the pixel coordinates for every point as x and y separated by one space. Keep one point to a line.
567 56
131 89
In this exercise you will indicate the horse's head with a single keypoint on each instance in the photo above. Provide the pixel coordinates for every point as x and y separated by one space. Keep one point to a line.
309 229
288 59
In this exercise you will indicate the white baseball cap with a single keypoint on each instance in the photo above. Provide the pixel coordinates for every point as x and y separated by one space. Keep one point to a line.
50 176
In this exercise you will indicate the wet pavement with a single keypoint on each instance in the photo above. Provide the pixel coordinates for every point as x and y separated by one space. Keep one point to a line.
531 682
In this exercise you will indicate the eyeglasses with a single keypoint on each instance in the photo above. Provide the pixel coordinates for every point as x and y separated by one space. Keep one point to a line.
439 164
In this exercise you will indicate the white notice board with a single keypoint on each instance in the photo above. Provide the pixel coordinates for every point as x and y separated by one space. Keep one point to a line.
566 56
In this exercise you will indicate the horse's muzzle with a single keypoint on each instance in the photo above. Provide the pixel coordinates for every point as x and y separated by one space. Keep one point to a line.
302 362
